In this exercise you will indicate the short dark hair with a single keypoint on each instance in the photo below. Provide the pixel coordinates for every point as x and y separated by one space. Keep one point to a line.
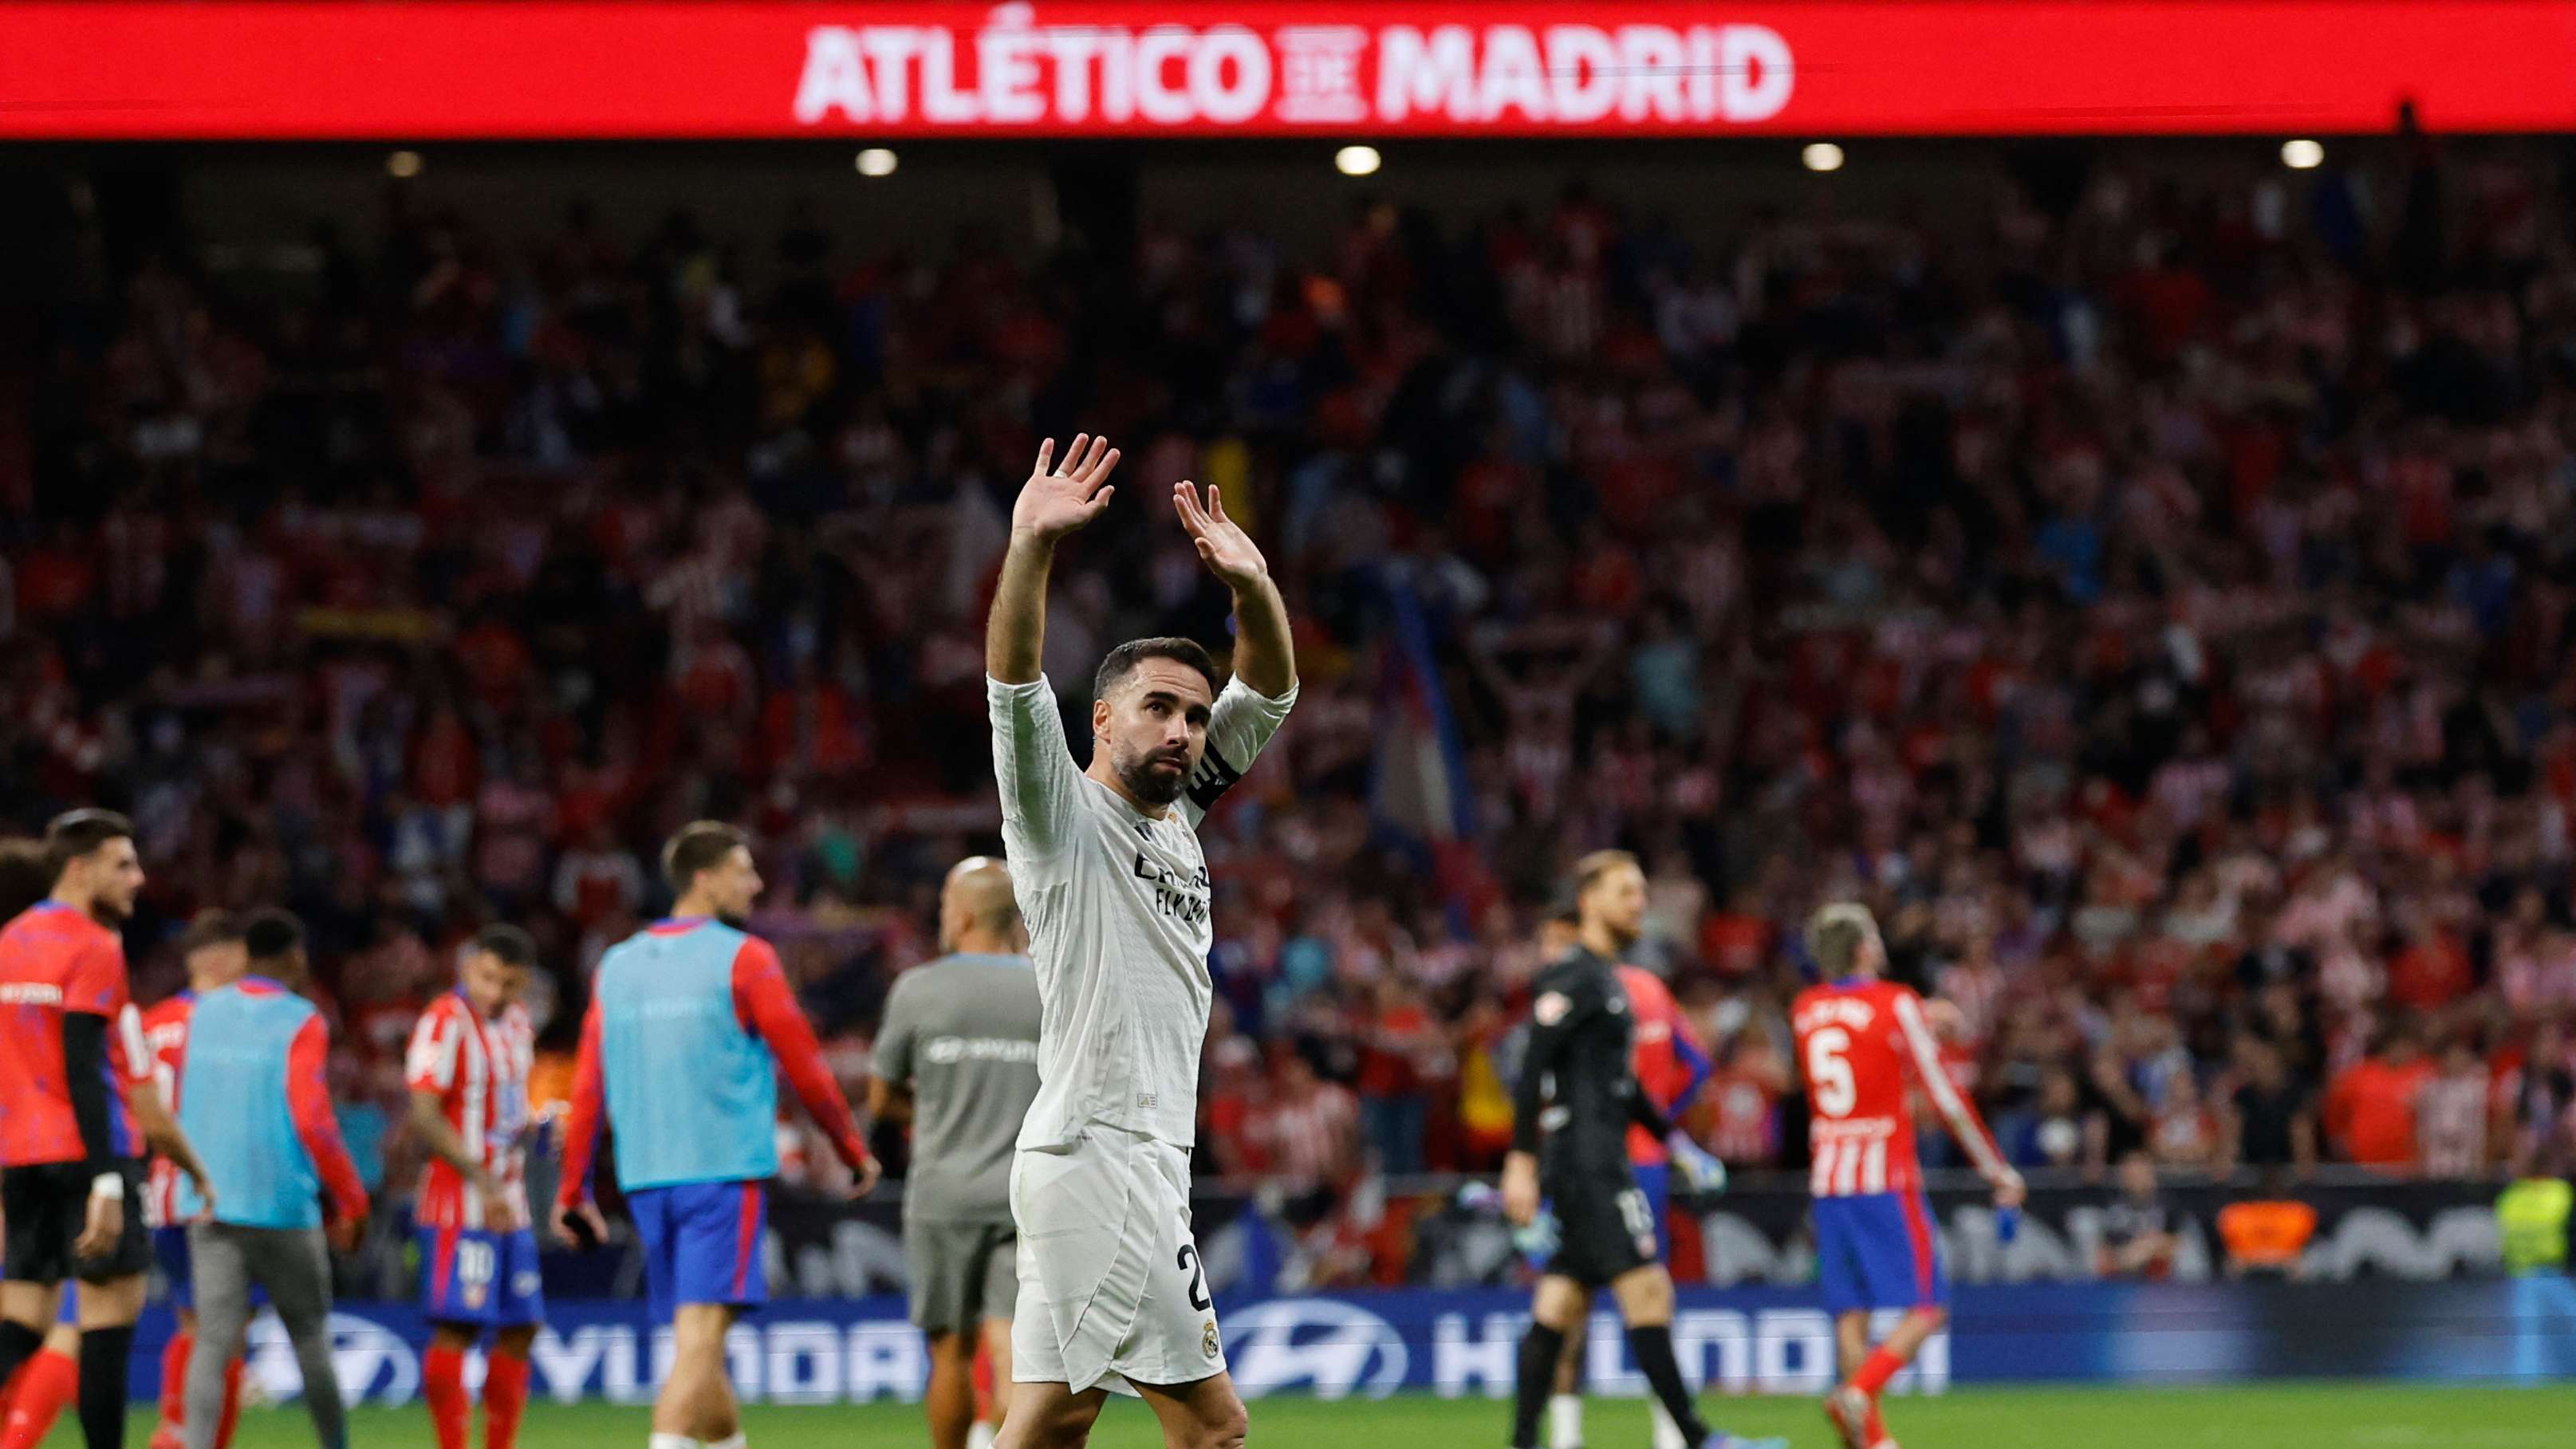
271 934
26 875
75 833
700 845
210 927
513 946
1120 662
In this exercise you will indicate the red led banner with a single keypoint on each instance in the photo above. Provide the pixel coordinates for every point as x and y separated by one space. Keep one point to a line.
573 68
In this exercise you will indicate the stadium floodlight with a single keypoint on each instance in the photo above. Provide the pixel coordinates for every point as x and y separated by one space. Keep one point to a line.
1357 160
2302 155
403 165
876 161
1822 156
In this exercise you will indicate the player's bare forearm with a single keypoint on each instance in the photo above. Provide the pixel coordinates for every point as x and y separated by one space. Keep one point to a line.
161 1130
1058 498
1015 635
1264 655
430 1125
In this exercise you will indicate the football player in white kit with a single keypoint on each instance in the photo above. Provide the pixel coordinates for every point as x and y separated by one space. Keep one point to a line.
1115 891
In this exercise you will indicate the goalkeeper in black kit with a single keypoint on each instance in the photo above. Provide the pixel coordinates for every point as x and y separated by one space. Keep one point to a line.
1578 1093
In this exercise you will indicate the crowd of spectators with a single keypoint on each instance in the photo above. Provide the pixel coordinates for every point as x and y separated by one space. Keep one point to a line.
2153 598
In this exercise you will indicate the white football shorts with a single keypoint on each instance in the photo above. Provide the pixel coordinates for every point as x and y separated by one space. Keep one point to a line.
1111 1289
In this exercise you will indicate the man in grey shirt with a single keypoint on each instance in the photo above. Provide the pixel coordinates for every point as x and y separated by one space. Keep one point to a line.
958 1058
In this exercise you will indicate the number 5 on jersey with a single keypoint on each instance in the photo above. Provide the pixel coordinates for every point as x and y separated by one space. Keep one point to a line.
1829 1077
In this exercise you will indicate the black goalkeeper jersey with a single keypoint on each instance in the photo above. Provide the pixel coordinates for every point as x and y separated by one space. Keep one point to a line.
1578 1089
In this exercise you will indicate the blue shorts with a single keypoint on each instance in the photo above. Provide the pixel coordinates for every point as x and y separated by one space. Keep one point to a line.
1655 1180
1878 1251
702 1243
483 1279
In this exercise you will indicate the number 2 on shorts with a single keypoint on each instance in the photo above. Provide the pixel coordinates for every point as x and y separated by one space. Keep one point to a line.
1198 1276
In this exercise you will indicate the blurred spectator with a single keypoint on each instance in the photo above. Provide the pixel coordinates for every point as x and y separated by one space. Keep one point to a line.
1401 1055
2187 1135
2540 1093
2371 1105
2175 655
2054 1132
2451 1112
2138 1237
1743 1098
1308 1130
2272 1120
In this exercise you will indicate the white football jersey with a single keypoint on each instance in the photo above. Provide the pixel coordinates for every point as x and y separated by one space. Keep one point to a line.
1117 904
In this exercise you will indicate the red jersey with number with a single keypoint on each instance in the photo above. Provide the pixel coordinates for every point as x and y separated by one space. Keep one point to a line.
165 1043
479 1068
1863 1044
55 961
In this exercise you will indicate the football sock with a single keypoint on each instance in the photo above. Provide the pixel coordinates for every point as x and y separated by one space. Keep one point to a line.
1539 1352
103 1352
1668 1435
1565 1421
231 1419
1875 1371
442 1387
505 1400
49 1381
1652 1347
174 1379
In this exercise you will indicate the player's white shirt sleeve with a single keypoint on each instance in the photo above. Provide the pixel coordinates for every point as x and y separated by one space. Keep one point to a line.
435 1042
1033 766
1969 1132
1239 726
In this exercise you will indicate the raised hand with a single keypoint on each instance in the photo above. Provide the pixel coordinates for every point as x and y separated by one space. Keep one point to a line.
1227 550
1057 500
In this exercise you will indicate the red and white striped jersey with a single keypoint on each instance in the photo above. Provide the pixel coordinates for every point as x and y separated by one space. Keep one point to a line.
165 1043
479 1069
1861 1044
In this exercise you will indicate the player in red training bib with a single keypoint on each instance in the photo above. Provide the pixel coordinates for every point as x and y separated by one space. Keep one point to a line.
77 1110
1862 1042
214 956
468 1070
33 1398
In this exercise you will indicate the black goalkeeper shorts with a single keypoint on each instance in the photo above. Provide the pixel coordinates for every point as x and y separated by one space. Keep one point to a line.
48 1207
1605 1230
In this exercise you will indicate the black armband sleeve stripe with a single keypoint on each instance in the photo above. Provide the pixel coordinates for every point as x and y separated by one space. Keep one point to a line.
85 1079
1211 780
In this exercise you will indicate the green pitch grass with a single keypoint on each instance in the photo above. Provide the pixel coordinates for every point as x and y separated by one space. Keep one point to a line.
2322 1416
